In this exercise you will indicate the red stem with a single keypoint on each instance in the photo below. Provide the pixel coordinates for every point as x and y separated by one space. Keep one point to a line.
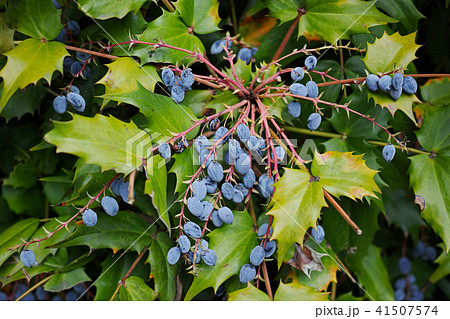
288 35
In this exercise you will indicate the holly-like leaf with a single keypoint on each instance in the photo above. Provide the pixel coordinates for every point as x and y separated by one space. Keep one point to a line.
28 62
284 10
24 176
162 113
23 102
38 19
232 244
66 280
434 135
124 75
156 185
444 267
11 236
105 9
163 273
202 16
124 231
296 292
404 103
389 50
105 141
334 20
250 293
436 91
402 10
135 289
171 30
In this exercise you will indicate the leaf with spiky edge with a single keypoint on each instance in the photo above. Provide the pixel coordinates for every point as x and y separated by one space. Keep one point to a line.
404 103
296 292
135 289
201 15
249 293
444 266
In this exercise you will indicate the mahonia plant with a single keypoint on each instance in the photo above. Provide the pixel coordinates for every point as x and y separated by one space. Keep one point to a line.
261 156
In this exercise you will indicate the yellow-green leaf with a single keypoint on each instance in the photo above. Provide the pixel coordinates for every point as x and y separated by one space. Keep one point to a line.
404 103
28 62
135 289
105 9
250 293
296 292
201 15
6 35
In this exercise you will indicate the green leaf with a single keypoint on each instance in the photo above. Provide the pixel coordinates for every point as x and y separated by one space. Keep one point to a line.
11 236
296 207
436 91
162 113
66 280
389 50
434 135
201 15
24 175
30 202
250 293
372 274
402 10
124 75
444 267
28 62
429 178
232 244
6 35
335 20
155 187
183 167
105 9
163 273
105 141
124 231
171 30
38 19
296 292
284 10
22 102
344 174
135 289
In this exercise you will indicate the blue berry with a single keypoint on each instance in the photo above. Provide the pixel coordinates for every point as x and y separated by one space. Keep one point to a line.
263 230
245 54
310 62
110 205
297 74
214 124
56 4
40 293
238 197
400 283
388 152
372 82
164 150
187 78
216 219
168 77
192 229
294 109
215 171
221 132
86 73
62 36
227 159
210 185
269 248
28 297
182 143
216 47
240 187
247 273
79 289
397 81
227 190
409 85
56 298
115 186
312 89
254 143
395 94
67 63
71 296
20 289
384 83
195 206
207 210
184 244
73 27
314 121
201 143
82 56
74 89
210 257
173 255
190 256
265 185
420 249
430 253
318 234
226 215
60 104
75 68
234 148
123 191
202 157
298 89
243 132
249 179
77 101
281 153
199 189
89 218
416 294
28 258
243 163
399 295
411 278
404 265
3 296
177 93
257 256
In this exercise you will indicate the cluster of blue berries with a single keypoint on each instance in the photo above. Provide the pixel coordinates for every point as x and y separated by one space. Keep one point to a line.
394 85
73 97
41 295
244 54
178 85
405 288
310 89
264 250
75 66
199 251
424 252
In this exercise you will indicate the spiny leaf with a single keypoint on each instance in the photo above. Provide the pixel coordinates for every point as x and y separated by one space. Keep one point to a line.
434 135
135 289
444 267
28 62
202 16
389 50
105 141
404 103
296 292
232 244
105 9
66 280
436 91
250 293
